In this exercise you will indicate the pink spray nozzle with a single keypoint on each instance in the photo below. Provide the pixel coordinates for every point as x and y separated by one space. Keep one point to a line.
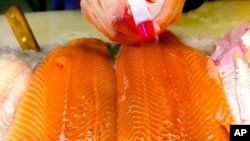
142 19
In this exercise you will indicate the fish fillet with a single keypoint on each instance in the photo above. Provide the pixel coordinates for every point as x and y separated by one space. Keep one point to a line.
14 77
168 91
232 57
71 96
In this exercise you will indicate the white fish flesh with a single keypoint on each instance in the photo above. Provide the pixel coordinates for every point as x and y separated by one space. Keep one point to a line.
232 57
14 77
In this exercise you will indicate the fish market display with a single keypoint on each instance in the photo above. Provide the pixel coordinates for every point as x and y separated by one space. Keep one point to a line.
168 91
71 96
232 57
161 90
14 77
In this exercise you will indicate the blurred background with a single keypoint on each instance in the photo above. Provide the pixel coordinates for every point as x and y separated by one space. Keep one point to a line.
26 5
40 5
45 5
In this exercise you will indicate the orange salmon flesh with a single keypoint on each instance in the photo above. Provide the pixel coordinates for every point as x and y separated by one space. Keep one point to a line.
162 90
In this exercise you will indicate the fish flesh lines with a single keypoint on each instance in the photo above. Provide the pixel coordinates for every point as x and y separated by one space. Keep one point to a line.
71 96
168 91
14 77
160 90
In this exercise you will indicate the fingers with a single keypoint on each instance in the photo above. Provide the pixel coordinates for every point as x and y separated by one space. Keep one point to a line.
93 11
169 13
119 19
111 21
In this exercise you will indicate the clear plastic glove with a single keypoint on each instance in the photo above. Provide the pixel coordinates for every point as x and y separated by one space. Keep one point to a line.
112 19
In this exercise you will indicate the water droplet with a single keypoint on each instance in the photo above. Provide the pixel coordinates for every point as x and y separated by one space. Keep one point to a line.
178 120
210 137
62 137
64 119
76 116
125 82
130 108
166 121
122 98
84 115
89 131
219 115
64 112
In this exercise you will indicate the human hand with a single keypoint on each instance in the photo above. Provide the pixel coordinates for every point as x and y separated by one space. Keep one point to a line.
169 13
111 17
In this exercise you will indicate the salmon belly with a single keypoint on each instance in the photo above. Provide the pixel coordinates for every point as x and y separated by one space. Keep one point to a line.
168 91
15 74
71 96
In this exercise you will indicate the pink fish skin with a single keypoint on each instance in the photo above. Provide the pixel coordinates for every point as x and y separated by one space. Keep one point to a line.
231 56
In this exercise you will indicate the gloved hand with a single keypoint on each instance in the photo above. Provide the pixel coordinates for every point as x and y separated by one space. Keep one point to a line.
111 18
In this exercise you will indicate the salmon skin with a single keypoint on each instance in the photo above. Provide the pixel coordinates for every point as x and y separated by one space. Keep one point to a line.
71 96
169 91
232 58
15 74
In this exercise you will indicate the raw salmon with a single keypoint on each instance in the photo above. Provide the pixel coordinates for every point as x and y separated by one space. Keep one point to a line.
71 96
232 58
169 91
15 74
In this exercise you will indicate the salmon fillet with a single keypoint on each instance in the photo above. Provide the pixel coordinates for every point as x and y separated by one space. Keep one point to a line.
71 96
14 78
232 58
169 91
